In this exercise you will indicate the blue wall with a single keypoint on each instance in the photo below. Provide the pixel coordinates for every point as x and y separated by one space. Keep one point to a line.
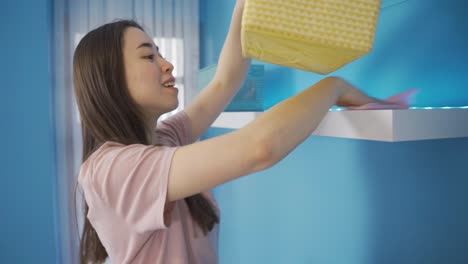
336 200
27 221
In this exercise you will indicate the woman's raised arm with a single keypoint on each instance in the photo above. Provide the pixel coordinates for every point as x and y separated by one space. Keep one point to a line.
259 145
230 74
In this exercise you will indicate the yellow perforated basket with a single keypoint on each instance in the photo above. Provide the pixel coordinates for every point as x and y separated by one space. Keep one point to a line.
312 35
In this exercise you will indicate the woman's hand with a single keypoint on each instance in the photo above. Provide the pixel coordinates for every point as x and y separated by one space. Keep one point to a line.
352 96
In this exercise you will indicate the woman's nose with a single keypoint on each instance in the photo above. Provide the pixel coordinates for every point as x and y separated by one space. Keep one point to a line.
166 66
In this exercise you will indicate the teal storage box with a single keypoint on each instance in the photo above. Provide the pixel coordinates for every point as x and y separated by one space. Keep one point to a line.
250 95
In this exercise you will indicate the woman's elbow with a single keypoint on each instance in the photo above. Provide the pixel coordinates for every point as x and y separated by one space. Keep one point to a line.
263 155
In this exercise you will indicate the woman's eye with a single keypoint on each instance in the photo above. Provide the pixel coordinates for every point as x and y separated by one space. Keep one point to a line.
149 57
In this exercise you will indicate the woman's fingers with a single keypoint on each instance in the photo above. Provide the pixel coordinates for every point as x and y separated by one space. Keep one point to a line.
404 98
398 101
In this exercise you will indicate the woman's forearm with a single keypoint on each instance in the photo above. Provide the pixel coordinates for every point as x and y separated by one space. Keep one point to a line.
283 127
230 74
232 66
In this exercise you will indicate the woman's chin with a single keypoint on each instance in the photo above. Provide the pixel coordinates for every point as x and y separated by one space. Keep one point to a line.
174 106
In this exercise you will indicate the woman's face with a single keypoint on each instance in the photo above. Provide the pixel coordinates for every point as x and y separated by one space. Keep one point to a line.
149 76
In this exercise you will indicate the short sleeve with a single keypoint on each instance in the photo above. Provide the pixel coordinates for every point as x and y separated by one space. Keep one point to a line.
132 181
174 131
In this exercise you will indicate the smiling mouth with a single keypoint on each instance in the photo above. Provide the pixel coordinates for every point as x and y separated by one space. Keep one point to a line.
169 84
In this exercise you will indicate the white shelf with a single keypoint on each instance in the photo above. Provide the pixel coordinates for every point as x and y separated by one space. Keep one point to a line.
379 125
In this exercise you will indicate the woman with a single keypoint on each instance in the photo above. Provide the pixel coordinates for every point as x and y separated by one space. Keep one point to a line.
147 187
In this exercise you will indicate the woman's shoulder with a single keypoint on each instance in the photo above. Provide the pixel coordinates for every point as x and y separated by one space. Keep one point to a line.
86 166
116 169
174 131
108 148
112 155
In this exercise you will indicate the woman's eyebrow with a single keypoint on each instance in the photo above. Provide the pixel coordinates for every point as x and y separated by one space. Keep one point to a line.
148 45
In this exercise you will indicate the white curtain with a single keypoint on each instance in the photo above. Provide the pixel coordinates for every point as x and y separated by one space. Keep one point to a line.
174 25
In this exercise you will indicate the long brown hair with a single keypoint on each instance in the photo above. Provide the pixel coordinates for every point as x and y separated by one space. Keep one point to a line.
108 113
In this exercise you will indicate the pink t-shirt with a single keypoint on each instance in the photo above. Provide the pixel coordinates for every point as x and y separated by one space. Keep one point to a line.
125 187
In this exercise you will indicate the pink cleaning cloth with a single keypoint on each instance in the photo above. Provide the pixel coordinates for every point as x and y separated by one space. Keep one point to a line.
398 101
